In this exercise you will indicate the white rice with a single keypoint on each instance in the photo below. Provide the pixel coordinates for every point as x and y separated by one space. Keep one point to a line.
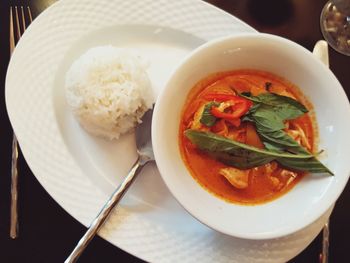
108 90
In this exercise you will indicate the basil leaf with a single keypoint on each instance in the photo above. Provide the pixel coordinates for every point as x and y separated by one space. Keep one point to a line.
274 147
269 113
252 109
312 165
243 160
267 119
286 108
281 141
213 142
207 118
244 156
274 99
247 118
248 96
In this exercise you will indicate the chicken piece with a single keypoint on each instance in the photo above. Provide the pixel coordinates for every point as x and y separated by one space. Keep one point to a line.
303 139
275 182
289 175
298 134
238 178
270 167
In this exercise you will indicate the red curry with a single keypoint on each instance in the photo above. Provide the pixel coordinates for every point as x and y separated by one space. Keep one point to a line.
254 185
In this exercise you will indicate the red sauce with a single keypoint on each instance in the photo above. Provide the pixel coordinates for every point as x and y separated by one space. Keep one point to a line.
205 170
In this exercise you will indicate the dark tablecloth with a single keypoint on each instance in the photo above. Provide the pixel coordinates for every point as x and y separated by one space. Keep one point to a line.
48 233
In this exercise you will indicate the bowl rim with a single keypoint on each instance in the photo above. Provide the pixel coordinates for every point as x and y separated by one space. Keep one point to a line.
156 142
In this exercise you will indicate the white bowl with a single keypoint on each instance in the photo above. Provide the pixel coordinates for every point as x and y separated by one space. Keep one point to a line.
311 197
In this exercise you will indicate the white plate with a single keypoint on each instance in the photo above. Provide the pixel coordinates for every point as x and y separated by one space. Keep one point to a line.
80 171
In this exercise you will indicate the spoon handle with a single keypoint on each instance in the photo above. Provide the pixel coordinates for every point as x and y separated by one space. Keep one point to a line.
106 211
321 52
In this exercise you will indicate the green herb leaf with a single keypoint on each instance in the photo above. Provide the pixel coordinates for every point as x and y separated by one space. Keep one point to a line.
244 156
242 160
207 118
286 108
269 113
267 119
231 152
280 141
312 165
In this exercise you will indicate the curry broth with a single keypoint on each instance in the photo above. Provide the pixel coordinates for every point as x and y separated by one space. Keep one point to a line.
205 170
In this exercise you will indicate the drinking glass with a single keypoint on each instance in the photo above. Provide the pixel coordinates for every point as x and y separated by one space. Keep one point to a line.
335 25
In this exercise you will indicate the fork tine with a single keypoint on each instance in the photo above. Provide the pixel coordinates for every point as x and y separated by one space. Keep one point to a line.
30 14
23 19
12 33
17 24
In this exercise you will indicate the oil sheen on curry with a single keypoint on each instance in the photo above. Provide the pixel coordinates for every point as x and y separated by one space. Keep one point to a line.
248 136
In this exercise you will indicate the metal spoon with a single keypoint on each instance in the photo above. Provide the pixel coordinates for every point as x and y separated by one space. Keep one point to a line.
145 155
321 51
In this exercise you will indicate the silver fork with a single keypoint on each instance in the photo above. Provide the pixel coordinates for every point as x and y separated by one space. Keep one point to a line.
19 28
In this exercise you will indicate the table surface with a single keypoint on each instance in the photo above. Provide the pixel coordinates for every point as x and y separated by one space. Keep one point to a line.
42 238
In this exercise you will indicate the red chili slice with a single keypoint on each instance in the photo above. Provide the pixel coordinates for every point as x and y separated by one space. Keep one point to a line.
236 106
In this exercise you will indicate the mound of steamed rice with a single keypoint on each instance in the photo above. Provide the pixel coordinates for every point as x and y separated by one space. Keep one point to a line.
108 90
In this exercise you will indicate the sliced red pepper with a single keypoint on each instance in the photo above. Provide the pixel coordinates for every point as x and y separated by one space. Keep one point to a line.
237 106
